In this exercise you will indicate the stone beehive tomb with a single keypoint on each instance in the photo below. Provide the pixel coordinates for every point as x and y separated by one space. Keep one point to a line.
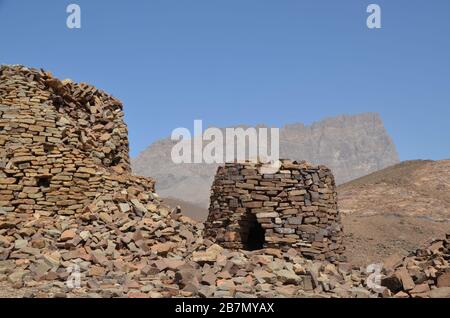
293 208
62 144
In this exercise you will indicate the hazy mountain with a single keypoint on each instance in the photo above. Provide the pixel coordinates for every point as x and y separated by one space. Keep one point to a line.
352 146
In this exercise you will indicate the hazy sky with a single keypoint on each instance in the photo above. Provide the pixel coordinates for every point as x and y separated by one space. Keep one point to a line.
249 61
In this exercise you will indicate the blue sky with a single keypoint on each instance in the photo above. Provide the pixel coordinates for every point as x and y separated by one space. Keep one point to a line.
249 61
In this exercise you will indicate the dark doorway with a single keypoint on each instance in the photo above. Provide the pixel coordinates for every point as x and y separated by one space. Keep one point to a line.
253 235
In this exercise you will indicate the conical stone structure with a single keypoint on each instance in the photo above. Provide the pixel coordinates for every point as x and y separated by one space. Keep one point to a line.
293 208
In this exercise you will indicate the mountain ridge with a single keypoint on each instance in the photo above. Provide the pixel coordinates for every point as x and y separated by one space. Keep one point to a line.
350 145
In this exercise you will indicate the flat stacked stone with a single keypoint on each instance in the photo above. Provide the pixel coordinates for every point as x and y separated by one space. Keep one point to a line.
62 144
296 208
38 109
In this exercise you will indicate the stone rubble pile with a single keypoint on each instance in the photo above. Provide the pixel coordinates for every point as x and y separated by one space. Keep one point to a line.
176 271
424 273
296 207
270 273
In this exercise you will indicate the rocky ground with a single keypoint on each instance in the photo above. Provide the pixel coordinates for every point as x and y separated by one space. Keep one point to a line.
207 270
371 239
153 251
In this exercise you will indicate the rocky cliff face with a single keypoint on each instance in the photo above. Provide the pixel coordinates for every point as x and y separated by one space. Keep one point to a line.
352 146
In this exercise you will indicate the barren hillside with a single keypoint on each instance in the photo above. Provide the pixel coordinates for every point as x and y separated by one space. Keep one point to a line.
412 188
395 209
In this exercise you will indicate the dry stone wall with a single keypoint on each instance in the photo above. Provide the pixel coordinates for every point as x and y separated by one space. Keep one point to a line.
37 108
294 208
62 144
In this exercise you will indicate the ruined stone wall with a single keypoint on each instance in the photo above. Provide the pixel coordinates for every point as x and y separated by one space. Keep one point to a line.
37 108
62 144
294 208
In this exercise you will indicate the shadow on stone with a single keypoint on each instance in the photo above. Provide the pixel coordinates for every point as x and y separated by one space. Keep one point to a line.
253 235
